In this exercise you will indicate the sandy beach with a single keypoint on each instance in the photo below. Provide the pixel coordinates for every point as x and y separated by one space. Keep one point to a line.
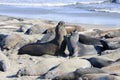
18 26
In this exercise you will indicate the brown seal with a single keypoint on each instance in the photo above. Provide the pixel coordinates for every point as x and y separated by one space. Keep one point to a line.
54 47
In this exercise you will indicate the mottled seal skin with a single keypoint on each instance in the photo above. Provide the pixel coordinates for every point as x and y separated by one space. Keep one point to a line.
11 41
67 66
110 45
35 29
79 49
54 47
78 73
40 68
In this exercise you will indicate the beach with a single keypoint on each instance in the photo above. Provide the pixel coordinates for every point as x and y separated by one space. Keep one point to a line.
11 26
59 40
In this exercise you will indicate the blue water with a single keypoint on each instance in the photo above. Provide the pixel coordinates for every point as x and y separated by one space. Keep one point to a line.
102 12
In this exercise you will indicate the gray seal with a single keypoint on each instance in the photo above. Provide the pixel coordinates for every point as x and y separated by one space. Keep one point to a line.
77 48
99 62
89 40
53 47
78 73
110 45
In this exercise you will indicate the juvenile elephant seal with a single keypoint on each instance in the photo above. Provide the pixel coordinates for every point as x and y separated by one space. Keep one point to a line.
88 40
101 76
11 41
79 49
47 37
69 29
78 73
39 68
113 34
4 62
99 62
67 66
110 45
54 47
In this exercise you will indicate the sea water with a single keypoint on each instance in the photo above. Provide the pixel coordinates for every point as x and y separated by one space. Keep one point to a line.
105 12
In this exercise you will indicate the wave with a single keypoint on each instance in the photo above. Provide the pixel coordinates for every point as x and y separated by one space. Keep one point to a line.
108 10
51 4
38 4
92 2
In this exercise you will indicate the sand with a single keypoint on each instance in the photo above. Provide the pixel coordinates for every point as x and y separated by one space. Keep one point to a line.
10 25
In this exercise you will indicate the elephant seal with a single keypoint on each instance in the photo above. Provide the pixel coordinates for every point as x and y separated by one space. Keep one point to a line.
112 34
100 62
78 73
88 40
40 68
79 49
110 45
113 68
67 66
11 41
47 37
49 34
4 62
53 47
69 29
99 76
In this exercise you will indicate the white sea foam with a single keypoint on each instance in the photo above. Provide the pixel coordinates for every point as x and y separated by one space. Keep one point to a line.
38 4
108 10
91 2
49 2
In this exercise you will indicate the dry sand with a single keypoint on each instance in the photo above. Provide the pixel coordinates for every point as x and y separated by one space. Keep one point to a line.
9 25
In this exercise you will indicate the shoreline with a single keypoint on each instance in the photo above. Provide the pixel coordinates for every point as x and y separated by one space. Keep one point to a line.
86 26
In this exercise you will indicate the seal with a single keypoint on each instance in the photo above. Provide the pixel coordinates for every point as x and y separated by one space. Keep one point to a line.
88 40
4 62
99 76
100 62
62 68
47 37
76 48
78 73
110 45
11 41
69 29
37 69
112 34
53 47
112 68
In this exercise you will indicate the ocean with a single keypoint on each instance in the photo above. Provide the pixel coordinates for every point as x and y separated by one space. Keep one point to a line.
99 12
